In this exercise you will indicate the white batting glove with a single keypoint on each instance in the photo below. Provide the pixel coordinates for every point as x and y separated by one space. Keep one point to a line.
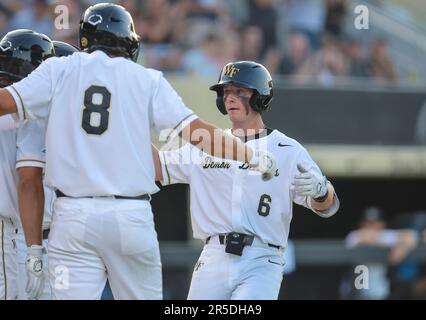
309 183
265 163
34 269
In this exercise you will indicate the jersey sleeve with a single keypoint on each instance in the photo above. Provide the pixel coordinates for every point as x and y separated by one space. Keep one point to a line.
176 165
169 113
306 161
31 144
33 94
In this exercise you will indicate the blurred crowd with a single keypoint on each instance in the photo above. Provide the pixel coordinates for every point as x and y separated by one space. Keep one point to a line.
398 276
304 39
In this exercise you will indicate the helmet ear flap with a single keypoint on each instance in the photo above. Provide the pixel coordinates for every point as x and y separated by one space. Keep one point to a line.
260 103
256 102
219 101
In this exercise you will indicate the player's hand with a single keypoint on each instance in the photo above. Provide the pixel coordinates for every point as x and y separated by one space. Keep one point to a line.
265 163
34 269
309 183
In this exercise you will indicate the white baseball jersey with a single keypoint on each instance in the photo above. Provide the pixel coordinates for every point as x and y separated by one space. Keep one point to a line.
227 197
98 135
8 181
22 144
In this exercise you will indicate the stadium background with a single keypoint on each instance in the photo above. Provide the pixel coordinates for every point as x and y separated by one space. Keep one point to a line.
355 98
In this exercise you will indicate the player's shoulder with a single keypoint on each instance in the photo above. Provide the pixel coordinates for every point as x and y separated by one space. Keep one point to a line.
128 67
282 140
61 62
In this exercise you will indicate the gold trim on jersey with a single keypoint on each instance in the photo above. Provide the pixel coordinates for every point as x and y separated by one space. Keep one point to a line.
180 122
22 103
3 260
165 165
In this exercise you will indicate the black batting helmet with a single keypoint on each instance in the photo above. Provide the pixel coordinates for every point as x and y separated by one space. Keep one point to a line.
246 74
109 26
21 51
63 49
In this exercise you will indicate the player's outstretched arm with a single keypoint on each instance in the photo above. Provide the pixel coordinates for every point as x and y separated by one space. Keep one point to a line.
7 103
215 141
218 143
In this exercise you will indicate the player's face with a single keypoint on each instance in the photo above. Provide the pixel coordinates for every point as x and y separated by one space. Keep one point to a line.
237 104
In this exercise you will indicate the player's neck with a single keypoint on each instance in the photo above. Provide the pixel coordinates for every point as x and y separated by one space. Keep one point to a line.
253 126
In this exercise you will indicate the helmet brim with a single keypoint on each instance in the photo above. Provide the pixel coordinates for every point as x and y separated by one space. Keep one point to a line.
240 84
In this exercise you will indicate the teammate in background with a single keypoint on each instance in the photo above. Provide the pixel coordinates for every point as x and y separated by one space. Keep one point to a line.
61 49
245 221
100 106
21 147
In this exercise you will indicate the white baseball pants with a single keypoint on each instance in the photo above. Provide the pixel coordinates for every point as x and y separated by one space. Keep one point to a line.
8 260
92 239
256 275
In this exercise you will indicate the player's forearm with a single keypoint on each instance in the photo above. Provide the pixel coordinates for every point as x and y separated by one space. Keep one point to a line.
216 142
157 163
31 203
327 203
7 103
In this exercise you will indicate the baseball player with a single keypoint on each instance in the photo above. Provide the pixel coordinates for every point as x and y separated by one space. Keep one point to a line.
21 148
62 49
244 221
100 106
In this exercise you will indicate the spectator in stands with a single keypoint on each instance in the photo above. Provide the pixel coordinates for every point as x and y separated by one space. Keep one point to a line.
161 25
133 6
381 66
204 9
205 61
373 232
335 16
326 66
4 13
298 52
262 14
405 275
36 17
156 23
251 43
308 17
354 51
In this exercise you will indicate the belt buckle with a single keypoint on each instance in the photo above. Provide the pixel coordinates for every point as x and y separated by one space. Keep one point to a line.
232 236
235 243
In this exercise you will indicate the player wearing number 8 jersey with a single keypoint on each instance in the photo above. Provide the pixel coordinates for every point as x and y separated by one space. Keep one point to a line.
243 220
100 107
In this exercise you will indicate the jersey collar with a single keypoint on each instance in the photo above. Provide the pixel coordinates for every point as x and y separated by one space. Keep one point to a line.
256 136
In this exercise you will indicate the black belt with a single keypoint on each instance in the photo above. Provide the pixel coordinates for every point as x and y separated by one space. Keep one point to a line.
146 196
248 240
46 234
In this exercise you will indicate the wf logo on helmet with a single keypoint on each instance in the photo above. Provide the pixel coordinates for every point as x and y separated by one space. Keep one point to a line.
230 70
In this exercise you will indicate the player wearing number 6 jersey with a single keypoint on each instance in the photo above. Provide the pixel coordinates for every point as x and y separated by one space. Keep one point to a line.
100 107
243 220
